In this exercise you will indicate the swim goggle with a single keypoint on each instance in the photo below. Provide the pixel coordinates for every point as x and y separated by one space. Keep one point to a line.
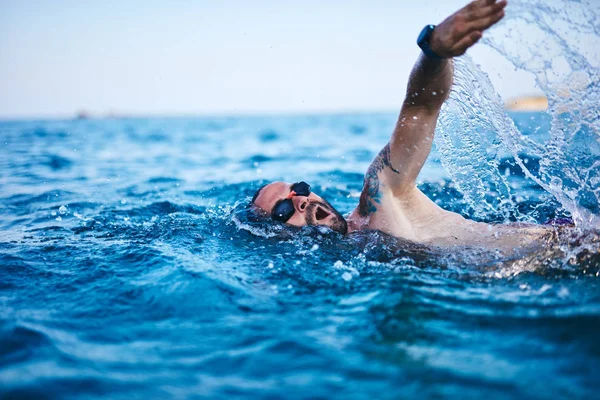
284 209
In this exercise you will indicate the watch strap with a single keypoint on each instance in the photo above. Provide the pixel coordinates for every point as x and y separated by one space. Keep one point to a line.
423 42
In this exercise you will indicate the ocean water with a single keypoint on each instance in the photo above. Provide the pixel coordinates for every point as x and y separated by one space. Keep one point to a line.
127 271
128 268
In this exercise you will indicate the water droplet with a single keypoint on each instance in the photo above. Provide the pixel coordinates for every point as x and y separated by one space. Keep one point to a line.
62 210
556 183
123 201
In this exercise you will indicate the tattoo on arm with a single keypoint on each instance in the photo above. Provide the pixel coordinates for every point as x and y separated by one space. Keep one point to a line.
371 195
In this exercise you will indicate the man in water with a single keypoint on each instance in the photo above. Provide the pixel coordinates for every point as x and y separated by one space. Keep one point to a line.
390 200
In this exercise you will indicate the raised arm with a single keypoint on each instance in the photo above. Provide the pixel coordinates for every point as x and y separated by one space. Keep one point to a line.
429 86
399 163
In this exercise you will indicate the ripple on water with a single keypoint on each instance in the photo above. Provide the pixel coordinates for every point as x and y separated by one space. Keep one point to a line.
56 162
269 136
19 344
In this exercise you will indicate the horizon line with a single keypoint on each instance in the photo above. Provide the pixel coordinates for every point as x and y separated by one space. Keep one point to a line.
84 116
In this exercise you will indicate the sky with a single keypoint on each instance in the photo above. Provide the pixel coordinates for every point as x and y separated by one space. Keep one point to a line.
218 57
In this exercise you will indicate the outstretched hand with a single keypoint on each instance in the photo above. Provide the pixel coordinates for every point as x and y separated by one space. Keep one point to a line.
465 27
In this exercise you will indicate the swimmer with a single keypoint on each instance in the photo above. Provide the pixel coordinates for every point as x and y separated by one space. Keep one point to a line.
390 200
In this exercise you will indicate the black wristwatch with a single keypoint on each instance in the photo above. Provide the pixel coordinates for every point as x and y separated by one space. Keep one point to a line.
423 42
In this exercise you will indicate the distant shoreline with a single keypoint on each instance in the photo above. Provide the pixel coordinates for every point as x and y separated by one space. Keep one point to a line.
516 104
527 103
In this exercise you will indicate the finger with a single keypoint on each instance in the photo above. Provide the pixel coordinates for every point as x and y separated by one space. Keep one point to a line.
484 23
461 30
464 24
466 42
469 9
482 12
479 3
475 5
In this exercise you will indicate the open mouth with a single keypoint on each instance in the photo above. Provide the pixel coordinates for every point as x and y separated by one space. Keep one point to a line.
321 214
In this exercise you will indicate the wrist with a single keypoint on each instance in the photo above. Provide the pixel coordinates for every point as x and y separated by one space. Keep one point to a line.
426 42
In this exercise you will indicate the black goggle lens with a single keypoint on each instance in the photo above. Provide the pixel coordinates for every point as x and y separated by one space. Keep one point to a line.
284 210
301 188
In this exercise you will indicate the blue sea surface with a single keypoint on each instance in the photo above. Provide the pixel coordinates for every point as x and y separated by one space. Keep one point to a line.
128 271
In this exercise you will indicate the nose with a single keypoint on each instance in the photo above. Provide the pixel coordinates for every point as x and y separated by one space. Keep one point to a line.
300 203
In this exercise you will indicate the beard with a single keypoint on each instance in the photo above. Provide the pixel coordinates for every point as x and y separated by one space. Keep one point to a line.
336 220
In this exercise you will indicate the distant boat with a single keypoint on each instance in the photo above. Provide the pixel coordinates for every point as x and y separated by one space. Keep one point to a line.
83 115
527 103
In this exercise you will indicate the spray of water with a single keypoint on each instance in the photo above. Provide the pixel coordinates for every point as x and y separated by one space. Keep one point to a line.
558 41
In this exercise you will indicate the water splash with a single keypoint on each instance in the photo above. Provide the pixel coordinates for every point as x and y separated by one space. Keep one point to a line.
470 150
559 43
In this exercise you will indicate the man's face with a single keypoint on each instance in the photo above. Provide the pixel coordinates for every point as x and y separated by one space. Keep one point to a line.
308 210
